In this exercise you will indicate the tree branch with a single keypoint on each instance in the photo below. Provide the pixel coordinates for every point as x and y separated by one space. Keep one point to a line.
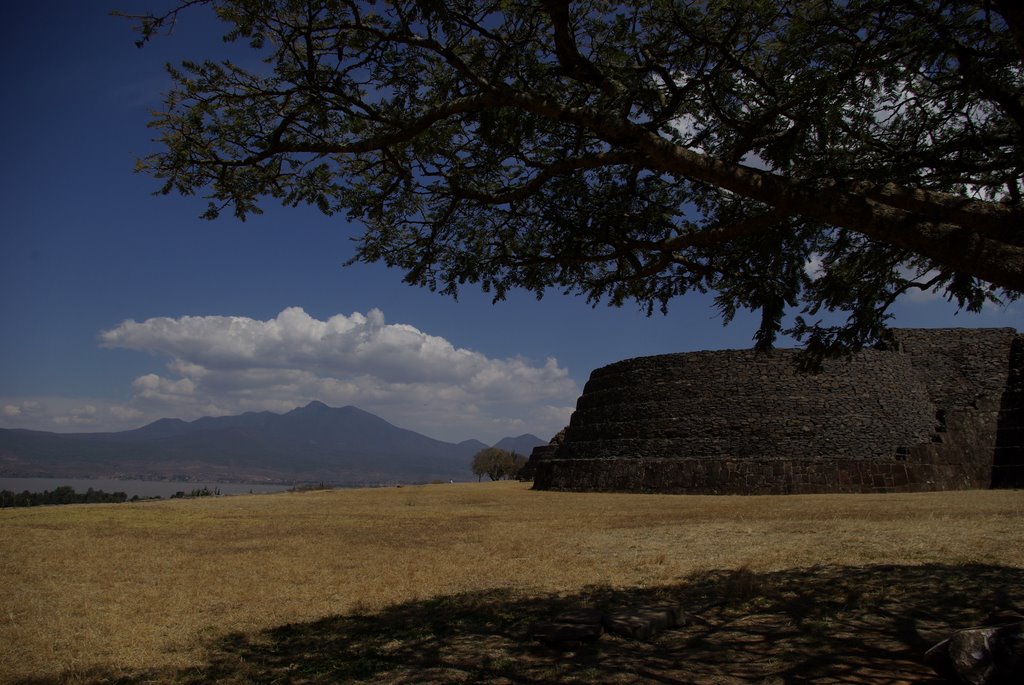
965 250
403 134
569 57
559 168
723 234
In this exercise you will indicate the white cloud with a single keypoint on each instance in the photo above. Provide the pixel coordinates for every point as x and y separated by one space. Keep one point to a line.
815 266
22 409
69 414
125 413
229 364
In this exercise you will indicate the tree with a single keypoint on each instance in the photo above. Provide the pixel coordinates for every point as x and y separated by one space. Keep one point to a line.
496 463
518 462
796 158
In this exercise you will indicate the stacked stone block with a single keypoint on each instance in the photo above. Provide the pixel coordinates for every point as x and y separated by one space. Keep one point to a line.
1008 466
922 414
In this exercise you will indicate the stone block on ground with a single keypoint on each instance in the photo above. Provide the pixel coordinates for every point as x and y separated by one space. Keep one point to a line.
641 623
988 655
576 626
678 615
580 616
565 634
570 628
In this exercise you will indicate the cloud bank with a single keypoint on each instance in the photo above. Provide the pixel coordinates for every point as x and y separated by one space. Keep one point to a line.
229 364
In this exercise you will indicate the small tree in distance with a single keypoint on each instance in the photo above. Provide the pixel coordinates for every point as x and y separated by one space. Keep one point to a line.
497 463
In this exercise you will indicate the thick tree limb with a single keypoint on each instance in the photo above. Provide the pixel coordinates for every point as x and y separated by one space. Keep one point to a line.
904 218
568 54
964 250
559 168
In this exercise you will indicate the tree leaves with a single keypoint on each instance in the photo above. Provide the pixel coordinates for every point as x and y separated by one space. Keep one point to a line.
632 152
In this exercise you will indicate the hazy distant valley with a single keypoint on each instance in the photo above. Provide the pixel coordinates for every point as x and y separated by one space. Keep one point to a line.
310 444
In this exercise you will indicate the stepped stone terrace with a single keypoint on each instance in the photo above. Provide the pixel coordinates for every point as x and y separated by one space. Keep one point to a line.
935 409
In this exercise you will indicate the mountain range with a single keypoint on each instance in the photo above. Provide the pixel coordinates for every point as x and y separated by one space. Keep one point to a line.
314 443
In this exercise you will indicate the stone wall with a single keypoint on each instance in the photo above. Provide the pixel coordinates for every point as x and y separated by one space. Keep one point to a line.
924 414
1008 466
970 374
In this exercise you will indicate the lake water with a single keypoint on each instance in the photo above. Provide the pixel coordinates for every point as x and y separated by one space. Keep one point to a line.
142 488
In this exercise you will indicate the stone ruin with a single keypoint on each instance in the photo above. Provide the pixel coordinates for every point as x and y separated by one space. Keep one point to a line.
934 409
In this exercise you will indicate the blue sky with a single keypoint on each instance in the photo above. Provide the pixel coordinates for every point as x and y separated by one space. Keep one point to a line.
120 307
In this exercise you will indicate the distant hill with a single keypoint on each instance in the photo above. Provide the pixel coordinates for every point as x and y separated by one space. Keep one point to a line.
523 445
473 446
312 443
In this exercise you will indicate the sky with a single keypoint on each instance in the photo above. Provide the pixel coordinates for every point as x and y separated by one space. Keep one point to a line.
119 307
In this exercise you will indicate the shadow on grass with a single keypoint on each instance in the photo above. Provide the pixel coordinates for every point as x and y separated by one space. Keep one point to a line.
817 625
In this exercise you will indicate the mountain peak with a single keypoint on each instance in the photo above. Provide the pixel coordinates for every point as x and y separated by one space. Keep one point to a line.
315 442
314 406
522 444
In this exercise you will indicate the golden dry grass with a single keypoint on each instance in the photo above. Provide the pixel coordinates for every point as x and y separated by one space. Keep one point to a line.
91 592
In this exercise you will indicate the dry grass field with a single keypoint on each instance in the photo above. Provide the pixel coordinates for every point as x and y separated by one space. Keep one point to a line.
441 584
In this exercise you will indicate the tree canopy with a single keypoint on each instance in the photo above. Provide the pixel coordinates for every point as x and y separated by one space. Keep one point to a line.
496 463
795 158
